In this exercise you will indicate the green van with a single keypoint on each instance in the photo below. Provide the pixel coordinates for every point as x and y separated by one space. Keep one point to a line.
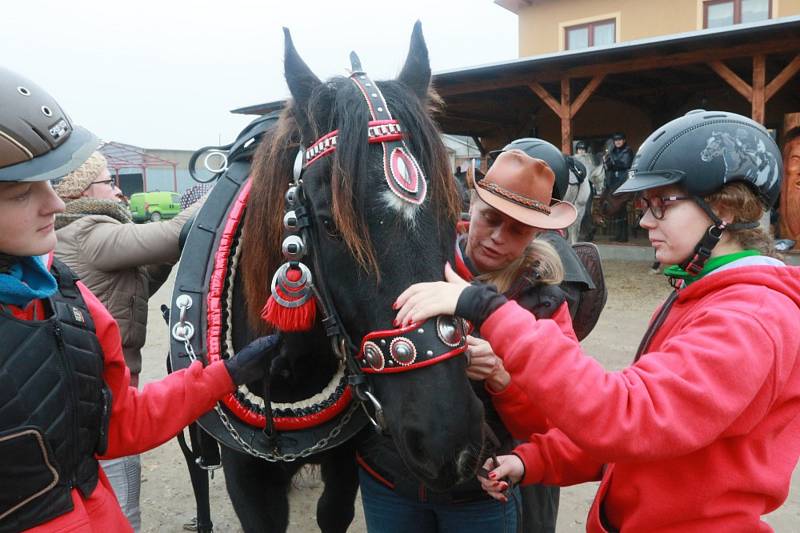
154 206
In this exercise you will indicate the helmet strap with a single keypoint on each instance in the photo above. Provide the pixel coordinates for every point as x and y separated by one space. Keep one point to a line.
703 250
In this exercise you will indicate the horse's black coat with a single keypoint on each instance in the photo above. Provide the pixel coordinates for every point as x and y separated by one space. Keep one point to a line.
370 252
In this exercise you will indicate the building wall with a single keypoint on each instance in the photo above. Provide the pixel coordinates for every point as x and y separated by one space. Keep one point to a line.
541 24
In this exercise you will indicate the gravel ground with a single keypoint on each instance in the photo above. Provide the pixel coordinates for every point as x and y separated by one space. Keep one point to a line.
167 500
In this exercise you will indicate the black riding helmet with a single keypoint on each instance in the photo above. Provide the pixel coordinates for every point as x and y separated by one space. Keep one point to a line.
541 149
702 151
37 140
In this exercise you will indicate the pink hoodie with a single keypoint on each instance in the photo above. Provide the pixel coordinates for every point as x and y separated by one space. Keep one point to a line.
701 434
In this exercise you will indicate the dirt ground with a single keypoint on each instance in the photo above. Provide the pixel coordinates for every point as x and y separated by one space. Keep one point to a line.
167 500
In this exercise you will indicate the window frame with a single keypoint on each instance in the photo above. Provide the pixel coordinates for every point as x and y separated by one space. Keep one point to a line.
590 27
737 10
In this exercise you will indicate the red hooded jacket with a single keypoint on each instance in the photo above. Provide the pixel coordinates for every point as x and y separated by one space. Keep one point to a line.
702 433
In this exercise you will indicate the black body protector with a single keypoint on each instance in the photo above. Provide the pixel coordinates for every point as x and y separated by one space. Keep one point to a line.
54 408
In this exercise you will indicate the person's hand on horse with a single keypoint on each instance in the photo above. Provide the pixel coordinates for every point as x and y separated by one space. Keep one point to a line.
251 362
508 469
485 365
422 301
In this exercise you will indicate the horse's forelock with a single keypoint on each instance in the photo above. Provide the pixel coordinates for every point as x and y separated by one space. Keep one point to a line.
337 104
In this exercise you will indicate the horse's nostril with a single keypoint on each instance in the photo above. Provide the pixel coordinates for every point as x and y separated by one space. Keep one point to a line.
415 445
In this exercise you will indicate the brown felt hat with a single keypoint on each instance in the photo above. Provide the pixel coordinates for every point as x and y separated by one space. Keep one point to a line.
521 187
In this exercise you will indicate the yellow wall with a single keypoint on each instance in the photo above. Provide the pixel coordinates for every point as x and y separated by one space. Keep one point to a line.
541 24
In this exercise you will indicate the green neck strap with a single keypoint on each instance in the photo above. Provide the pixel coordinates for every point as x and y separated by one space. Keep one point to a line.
712 264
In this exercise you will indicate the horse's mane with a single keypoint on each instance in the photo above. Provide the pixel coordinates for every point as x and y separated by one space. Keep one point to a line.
336 104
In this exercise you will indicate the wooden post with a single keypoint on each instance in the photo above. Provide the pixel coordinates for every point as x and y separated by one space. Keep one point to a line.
790 188
759 84
566 117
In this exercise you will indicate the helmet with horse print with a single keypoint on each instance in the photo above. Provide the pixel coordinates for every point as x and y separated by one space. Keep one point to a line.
37 140
541 149
704 150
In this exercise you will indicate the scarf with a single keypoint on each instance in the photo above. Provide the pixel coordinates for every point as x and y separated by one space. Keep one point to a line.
676 272
82 207
26 280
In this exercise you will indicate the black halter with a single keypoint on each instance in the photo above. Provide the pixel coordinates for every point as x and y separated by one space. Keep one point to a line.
387 351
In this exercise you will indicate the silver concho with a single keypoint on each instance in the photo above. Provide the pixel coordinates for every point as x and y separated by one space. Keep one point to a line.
290 221
299 290
403 351
374 356
293 248
450 331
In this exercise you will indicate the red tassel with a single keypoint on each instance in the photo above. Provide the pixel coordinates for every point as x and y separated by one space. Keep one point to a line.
299 318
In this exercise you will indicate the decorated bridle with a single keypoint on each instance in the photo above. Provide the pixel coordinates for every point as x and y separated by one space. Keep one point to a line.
295 293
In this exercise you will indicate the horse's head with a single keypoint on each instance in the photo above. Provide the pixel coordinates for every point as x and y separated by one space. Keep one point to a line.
382 208
715 146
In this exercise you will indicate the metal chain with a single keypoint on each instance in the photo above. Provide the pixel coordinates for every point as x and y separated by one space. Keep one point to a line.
289 457
184 331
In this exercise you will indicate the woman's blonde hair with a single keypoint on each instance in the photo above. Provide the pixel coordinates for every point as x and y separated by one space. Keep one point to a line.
539 262
739 200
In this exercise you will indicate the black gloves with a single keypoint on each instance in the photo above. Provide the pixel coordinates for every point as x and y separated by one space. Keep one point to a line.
542 300
479 300
251 362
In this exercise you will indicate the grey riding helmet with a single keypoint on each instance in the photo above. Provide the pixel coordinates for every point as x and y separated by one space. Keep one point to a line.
37 139
541 149
704 150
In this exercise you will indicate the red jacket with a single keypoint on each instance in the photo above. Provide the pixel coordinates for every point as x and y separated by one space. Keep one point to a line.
701 434
140 420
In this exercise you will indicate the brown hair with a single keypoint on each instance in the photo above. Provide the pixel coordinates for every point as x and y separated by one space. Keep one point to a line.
739 200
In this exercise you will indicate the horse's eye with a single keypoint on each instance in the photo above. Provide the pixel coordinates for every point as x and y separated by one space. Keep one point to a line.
330 229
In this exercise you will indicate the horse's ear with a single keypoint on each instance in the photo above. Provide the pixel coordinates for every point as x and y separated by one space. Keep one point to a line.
301 82
416 73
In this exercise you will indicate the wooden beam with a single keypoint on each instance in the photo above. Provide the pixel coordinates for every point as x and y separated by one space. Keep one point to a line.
759 83
566 116
549 74
479 144
546 97
477 120
585 94
733 79
784 76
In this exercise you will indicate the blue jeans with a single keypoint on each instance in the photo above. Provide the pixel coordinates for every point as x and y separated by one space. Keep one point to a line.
387 512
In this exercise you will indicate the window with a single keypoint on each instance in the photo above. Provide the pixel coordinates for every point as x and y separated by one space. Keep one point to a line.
719 13
597 33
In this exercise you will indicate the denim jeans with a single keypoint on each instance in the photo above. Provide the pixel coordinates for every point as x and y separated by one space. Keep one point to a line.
387 512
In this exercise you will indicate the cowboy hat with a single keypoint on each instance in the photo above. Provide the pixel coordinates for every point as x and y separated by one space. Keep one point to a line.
521 187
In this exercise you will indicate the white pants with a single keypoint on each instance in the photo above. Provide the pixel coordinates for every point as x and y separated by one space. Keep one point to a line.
125 476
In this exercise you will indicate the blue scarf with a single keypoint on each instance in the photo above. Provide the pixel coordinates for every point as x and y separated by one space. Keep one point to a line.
25 281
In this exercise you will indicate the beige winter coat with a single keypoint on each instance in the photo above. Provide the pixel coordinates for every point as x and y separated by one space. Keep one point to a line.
123 264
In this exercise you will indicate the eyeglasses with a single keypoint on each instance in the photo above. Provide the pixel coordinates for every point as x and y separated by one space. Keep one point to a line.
658 204
110 181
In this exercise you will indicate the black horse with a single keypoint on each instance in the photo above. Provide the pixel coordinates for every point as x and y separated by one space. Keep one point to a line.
380 208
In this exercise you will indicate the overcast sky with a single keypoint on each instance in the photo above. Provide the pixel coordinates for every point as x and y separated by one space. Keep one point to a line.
165 74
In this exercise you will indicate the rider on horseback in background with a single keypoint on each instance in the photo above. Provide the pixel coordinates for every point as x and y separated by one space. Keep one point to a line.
700 432
66 396
617 162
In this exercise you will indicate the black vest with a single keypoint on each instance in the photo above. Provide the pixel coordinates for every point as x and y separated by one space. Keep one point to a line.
54 408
